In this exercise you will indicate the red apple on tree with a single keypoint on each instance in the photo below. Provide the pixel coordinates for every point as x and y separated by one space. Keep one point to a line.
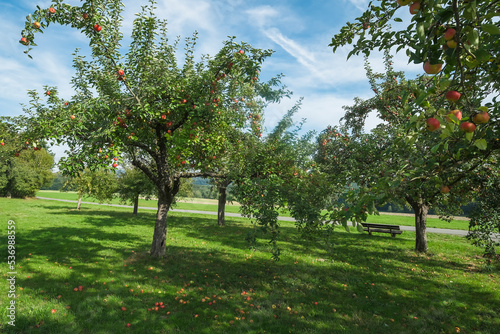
432 124
445 189
24 41
115 165
97 27
481 118
432 68
72 116
121 72
36 25
47 92
449 34
2 143
414 7
456 112
52 10
452 96
467 127
85 16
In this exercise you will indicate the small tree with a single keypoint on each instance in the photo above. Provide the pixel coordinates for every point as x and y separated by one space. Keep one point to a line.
132 184
484 225
279 174
24 166
100 185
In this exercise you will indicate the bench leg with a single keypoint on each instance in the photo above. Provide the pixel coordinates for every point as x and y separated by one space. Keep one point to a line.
393 235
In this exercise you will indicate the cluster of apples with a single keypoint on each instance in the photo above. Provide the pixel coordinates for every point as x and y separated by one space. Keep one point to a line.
481 117
449 35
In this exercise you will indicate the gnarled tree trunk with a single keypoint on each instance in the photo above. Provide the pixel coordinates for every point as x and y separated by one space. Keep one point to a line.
166 196
420 208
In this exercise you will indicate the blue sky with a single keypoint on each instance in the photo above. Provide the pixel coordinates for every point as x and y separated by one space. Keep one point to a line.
298 31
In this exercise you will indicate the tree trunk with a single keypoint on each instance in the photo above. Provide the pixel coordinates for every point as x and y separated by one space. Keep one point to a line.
136 204
79 205
222 205
166 196
420 209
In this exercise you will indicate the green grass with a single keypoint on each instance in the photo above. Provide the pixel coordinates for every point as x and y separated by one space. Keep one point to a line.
232 208
363 284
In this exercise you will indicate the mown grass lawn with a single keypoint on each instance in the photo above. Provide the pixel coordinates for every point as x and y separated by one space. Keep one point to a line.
210 282
404 220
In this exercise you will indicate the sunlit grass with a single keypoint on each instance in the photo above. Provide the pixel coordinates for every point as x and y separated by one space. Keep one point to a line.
211 282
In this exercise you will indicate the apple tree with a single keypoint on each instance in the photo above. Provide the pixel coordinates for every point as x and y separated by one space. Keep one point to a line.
396 163
171 119
457 43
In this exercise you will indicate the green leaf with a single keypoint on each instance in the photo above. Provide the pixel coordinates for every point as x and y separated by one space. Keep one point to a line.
481 144
444 83
482 55
435 148
473 38
491 29
469 135
397 19
421 31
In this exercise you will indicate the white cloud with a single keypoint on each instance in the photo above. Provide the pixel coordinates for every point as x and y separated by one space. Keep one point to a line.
359 4
262 16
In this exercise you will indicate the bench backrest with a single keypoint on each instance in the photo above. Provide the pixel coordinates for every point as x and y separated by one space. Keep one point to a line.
370 225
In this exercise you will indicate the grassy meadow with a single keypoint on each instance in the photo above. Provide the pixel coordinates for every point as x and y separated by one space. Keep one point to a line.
89 271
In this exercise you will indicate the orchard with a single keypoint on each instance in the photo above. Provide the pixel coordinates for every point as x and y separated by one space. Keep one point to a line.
198 119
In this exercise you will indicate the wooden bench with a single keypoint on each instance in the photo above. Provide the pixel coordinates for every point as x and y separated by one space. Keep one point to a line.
382 228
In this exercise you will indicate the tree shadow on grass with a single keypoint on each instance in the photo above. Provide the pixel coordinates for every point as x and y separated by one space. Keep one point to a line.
365 284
